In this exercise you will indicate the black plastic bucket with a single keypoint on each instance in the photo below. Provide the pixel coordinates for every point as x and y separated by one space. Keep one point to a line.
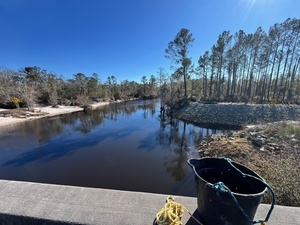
227 192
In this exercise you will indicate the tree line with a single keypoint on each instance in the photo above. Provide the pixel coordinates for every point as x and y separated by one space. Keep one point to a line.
33 85
262 67
259 68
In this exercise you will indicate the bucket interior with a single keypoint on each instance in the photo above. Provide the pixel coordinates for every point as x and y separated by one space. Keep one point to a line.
234 181
213 171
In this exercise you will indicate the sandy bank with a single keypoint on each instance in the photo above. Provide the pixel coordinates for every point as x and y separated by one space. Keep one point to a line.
47 111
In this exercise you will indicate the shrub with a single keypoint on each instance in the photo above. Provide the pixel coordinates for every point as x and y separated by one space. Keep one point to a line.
82 100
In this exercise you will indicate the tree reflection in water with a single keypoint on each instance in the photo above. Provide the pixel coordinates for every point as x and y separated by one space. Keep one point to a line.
173 135
132 135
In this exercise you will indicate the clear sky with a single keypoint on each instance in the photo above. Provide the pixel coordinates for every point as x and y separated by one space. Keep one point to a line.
123 38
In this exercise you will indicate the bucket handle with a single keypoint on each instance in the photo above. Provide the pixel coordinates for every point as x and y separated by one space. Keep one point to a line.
221 187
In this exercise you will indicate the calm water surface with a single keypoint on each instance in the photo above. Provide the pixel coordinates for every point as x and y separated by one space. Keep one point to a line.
120 146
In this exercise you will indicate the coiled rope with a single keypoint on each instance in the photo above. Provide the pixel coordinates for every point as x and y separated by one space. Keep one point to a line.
172 213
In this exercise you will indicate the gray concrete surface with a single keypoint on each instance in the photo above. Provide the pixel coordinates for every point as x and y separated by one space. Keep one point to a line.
36 203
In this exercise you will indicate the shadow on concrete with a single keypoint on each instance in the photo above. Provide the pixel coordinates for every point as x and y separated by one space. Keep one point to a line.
192 221
6 219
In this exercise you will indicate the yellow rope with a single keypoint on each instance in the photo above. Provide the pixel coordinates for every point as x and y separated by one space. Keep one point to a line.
172 213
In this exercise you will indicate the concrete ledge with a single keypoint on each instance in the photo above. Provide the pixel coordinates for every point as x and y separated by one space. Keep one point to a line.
36 203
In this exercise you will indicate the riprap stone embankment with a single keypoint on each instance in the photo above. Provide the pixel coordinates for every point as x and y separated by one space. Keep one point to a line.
237 115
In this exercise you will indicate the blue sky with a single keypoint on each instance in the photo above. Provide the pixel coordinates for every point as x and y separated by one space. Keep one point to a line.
123 38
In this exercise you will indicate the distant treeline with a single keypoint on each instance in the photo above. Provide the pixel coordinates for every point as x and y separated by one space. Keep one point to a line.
33 85
262 67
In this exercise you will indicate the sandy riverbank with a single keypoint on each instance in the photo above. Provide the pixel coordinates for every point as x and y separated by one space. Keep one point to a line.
46 111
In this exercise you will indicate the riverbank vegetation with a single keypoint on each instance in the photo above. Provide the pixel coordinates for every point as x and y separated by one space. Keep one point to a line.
33 85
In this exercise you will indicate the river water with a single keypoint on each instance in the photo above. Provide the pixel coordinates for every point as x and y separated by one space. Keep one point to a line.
120 146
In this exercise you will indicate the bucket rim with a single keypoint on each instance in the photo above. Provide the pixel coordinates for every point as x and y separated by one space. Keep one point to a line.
235 193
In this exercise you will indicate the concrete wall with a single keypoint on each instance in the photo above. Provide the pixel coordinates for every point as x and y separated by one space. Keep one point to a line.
36 203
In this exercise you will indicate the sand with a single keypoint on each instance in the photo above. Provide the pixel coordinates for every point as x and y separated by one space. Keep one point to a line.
48 111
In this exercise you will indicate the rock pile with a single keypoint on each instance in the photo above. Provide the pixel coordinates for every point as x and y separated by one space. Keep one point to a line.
237 114
265 139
